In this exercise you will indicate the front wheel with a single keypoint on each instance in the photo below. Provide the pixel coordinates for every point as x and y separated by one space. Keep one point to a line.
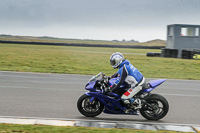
156 108
87 108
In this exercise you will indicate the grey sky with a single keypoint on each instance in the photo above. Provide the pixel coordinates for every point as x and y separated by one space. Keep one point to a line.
140 20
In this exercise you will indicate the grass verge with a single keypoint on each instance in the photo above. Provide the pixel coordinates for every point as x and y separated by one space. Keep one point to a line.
91 60
13 128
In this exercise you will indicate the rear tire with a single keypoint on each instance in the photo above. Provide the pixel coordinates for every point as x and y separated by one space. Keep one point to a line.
160 107
87 108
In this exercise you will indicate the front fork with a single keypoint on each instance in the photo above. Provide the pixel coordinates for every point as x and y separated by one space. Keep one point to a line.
92 99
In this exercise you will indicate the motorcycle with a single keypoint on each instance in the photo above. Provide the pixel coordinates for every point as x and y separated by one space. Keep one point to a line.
98 99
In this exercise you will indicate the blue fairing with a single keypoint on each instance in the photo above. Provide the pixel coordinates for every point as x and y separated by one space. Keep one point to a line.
110 100
111 103
90 86
153 84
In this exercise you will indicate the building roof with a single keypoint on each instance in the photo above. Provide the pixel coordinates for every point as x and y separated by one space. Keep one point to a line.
186 25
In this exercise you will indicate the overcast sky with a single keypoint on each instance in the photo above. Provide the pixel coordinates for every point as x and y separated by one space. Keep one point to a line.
141 20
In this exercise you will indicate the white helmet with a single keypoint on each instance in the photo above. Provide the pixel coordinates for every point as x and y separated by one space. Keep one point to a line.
116 59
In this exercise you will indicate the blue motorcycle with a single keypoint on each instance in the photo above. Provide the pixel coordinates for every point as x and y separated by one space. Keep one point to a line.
98 99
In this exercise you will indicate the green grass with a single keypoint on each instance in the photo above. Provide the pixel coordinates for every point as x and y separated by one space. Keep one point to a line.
91 60
13 128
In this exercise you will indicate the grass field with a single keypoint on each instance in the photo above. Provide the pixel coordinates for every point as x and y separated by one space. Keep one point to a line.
12 128
90 61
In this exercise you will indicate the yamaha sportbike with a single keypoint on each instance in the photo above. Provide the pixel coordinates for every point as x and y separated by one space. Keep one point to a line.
98 99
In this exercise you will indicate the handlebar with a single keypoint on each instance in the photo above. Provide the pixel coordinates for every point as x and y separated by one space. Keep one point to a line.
103 81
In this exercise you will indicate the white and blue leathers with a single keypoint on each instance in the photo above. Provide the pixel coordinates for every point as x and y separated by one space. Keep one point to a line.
130 75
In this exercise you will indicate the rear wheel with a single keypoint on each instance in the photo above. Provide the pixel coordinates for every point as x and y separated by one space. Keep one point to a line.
87 108
156 109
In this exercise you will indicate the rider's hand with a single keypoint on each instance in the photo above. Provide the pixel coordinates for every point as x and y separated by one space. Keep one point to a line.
109 77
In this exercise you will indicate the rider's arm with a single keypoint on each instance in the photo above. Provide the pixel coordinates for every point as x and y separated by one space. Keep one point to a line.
114 75
119 82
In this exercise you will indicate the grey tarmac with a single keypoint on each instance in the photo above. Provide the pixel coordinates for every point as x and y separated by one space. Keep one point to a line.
41 95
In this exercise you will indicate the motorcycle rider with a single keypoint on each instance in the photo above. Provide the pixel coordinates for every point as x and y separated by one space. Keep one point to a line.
128 74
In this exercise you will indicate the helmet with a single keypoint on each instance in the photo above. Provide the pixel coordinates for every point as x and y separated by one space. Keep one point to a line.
116 59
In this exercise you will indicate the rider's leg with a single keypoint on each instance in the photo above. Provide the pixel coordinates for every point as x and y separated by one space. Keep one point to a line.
132 92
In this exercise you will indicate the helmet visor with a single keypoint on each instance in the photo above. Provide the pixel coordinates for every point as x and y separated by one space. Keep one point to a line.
112 62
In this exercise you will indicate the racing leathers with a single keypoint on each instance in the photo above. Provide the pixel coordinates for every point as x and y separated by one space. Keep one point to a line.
128 74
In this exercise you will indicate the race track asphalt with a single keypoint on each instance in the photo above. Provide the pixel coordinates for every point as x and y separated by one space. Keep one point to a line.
56 95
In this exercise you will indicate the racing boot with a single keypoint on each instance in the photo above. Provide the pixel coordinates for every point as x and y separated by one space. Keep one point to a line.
127 103
137 104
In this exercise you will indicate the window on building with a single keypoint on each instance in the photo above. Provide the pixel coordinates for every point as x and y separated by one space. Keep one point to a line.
189 31
170 32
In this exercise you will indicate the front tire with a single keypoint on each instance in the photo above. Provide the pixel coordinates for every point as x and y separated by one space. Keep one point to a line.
160 107
87 108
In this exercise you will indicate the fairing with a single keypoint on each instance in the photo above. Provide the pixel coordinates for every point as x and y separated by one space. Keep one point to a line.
90 86
111 102
153 84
